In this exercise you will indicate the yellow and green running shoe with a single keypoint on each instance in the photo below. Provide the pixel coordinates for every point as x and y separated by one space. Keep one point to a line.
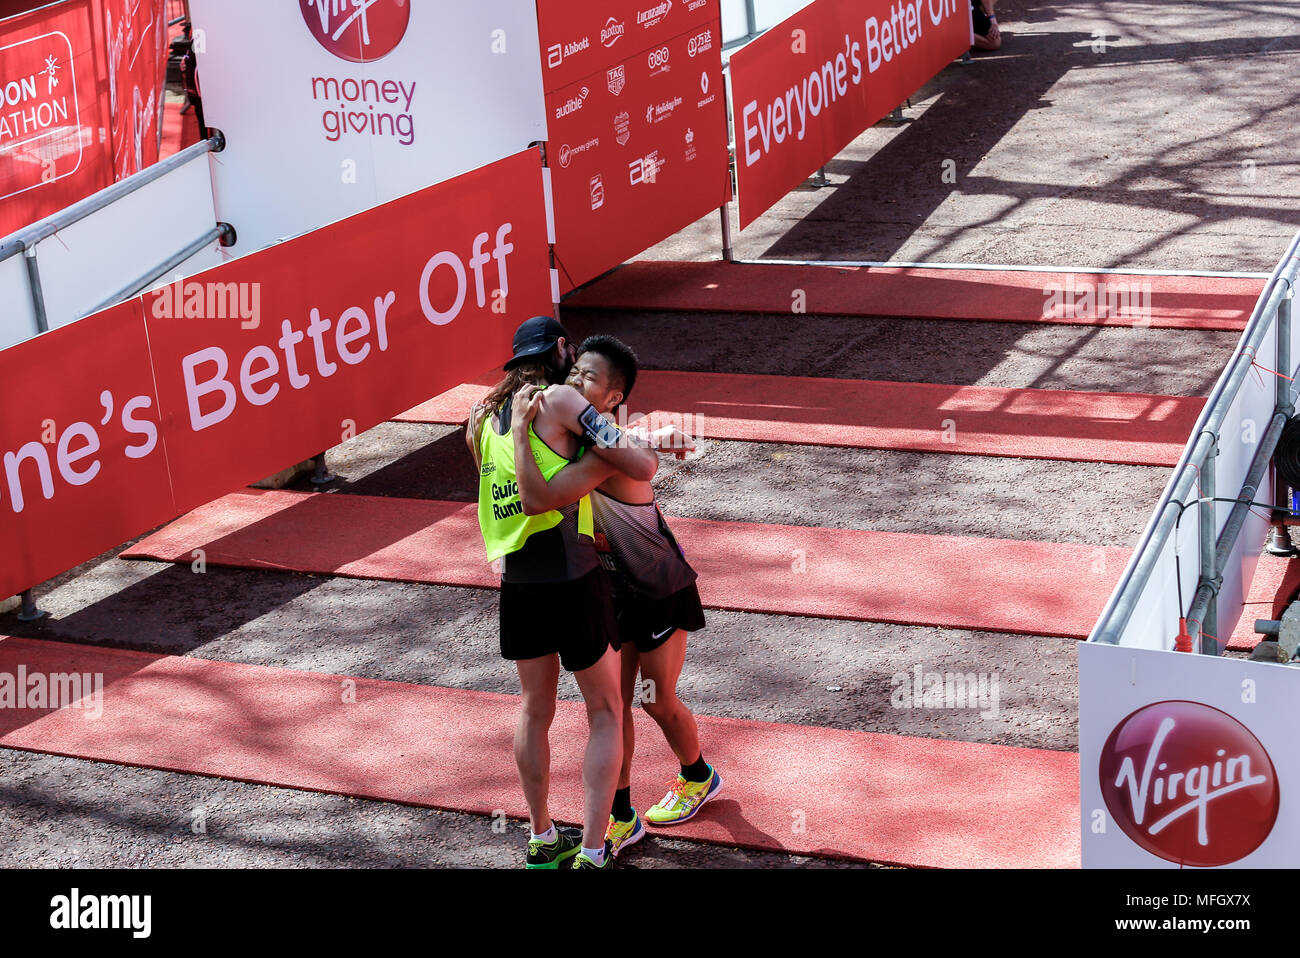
684 799
622 834
568 842
582 862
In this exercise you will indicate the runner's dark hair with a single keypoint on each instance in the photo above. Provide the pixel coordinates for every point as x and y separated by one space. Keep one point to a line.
620 356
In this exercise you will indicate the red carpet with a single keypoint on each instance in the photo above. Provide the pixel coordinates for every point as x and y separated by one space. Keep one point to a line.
883 798
1127 428
1032 588
180 130
1176 302
1275 584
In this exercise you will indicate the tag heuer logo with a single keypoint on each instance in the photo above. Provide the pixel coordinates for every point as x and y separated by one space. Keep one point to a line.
617 78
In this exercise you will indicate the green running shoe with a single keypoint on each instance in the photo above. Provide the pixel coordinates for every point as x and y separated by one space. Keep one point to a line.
568 842
581 861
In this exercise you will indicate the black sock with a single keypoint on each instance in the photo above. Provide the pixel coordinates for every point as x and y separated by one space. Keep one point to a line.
622 810
697 771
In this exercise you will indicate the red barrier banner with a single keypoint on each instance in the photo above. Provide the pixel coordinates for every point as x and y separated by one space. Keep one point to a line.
82 467
580 39
54 144
809 86
274 357
137 43
638 150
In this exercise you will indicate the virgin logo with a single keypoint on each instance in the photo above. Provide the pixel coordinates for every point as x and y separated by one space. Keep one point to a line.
1189 783
357 30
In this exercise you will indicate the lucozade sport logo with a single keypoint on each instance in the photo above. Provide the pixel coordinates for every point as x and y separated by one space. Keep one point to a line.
357 30
1189 783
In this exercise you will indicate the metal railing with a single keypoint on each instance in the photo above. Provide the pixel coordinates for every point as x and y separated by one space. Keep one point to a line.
25 241
1272 311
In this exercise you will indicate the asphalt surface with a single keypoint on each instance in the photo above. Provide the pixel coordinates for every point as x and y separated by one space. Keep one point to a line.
1169 149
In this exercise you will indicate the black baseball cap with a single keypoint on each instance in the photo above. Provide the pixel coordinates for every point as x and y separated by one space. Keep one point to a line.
535 337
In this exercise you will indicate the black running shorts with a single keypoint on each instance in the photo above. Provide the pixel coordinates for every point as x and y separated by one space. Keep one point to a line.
573 618
649 623
980 20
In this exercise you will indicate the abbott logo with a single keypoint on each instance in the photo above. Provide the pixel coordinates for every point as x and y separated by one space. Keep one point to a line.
1189 783
360 31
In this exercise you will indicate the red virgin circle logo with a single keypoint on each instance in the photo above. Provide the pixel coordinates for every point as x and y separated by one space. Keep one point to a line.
1189 783
357 30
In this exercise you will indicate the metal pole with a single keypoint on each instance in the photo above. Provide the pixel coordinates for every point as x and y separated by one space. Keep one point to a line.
751 18
38 294
728 252
29 612
322 476
1279 536
1204 606
1209 539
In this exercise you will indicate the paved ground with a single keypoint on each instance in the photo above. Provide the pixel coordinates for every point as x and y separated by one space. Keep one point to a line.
1152 133
1132 156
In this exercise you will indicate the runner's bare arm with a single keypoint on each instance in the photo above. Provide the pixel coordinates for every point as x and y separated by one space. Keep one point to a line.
568 485
472 429
625 453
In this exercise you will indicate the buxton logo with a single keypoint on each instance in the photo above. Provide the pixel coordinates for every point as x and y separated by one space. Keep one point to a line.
1189 783
357 30
612 32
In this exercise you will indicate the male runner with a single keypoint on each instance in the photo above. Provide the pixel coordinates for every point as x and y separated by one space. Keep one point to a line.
656 600
556 606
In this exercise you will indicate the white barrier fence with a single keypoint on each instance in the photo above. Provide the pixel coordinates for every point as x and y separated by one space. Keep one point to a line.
1187 759
146 228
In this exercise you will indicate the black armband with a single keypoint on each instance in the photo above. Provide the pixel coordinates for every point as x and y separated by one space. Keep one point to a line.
598 429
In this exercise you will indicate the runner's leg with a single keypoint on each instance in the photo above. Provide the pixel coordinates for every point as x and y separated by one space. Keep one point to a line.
663 666
538 678
600 690
631 663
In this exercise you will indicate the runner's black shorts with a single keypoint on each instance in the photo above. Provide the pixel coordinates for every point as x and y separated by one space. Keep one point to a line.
649 623
980 20
573 618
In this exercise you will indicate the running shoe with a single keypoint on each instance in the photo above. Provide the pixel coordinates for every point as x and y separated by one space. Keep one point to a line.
581 861
568 842
622 834
684 799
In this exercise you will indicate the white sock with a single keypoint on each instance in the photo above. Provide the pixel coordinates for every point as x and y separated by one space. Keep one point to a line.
547 836
597 855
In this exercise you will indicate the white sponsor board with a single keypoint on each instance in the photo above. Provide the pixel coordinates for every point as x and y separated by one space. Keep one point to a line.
1186 760
330 107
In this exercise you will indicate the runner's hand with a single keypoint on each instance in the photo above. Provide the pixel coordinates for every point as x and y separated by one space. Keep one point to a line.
666 439
524 408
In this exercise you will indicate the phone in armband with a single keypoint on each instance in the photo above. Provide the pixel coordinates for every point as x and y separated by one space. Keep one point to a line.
598 429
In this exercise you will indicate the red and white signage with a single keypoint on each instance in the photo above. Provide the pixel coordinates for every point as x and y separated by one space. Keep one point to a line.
260 363
54 146
638 148
357 32
137 76
1189 783
809 86
341 329
1185 760
331 107
82 468
580 39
